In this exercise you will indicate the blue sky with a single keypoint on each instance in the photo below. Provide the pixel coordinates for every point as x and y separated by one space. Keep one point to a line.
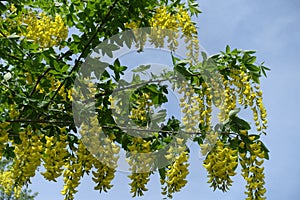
272 28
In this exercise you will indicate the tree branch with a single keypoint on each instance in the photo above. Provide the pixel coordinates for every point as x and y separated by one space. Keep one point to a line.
85 48
40 121
38 81
132 86
149 130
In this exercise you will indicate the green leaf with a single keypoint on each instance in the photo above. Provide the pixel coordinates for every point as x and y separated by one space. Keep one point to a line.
160 116
194 7
174 59
162 173
235 52
265 150
168 139
251 60
204 56
13 36
153 88
180 67
252 67
222 67
255 77
117 63
141 68
264 69
234 143
108 49
2 7
76 38
233 112
9 152
249 51
64 68
227 49
240 123
136 78
199 140
128 37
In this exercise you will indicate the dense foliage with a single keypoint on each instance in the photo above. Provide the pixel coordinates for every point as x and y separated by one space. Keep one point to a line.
43 43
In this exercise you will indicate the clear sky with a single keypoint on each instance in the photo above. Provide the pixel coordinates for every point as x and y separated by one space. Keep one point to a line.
272 28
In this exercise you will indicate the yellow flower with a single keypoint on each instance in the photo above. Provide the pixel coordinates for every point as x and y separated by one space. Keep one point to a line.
45 31
220 164
176 175
253 172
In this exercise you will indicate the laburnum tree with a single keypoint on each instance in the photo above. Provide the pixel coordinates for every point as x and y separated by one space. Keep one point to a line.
44 43
25 194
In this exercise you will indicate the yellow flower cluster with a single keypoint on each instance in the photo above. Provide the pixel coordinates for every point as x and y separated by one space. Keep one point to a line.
220 164
197 106
176 175
166 19
139 145
63 92
214 87
211 139
28 154
175 149
190 32
13 111
260 109
27 160
138 183
93 137
13 8
185 21
44 30
52 85
104 150
139 34
143 107
3 136
166 24
139 162
72 175
75 169
206 109
189 105
55 152
7 184
85 157
229 102
103 176
253 172
175 20
239 88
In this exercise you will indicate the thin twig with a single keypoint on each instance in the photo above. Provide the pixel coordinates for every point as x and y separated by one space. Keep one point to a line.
14 57
149 130
38 81
40 121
